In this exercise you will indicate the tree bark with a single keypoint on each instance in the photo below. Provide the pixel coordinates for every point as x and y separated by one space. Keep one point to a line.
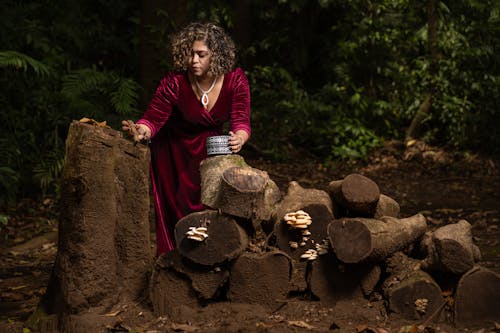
226 239
476 298
358 194
298 197
450 249
104 246
387 206
362 239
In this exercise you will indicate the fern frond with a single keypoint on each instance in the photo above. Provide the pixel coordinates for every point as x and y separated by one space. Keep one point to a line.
82 81
23 61
125 97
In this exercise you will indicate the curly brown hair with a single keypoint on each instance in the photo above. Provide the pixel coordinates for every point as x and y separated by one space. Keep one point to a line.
221 45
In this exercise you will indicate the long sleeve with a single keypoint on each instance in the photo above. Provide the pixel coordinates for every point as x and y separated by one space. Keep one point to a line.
240 103
160 107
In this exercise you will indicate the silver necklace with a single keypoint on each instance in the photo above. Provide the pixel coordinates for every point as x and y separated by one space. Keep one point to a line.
204 93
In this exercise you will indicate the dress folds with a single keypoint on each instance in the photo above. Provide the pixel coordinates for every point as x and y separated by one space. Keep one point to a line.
179 127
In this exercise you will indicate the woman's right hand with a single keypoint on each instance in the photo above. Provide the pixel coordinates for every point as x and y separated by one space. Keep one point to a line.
138 131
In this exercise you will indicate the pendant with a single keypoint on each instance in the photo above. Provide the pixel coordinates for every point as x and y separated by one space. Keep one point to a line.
204 100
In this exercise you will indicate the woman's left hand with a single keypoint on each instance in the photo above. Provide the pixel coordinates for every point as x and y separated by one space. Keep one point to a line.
237 140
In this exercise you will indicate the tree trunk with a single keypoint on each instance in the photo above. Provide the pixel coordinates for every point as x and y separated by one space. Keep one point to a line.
476 298
358 194
450 249
411 293
104 246
154 45
226 239
432 44
359 239
260 279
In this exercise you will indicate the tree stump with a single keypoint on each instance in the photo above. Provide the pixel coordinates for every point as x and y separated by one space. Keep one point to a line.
260 279
411 293
362 239
477 297
226 239
357 193
321 217
450 248
170 290
104 246
386 206
332 281
230 185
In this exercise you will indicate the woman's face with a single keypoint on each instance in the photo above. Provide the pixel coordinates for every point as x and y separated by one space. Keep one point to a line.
199 60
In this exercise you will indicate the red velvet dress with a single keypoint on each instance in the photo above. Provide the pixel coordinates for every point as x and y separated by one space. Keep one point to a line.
179 127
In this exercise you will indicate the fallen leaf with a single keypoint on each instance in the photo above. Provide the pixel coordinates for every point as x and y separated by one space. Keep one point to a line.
113 314
183 327
300 323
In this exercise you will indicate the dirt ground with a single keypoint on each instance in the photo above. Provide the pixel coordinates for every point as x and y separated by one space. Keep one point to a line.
444 186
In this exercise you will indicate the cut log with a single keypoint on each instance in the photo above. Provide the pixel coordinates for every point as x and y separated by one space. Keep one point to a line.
226 239
450 248
230 185
285 235
357 194
206 282
332 281
361 239
412 294
387 206
298 197
170 291
104 243
298 280
260 279
245 192
477 297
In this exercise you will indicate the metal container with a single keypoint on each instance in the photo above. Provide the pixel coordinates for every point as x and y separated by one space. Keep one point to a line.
218 145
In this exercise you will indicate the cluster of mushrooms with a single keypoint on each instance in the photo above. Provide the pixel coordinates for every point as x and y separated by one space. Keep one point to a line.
302 220
197 233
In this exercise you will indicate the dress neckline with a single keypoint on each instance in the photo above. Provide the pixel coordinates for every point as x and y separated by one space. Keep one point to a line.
188 83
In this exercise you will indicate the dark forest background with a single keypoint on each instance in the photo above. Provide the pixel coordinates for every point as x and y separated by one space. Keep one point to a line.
333 77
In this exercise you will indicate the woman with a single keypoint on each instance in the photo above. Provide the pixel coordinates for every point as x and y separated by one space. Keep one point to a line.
190 104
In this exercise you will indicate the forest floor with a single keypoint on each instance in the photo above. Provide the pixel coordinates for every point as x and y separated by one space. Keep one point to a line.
444 186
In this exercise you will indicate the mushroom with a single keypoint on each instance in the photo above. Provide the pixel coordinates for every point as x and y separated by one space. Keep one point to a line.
310 254
298 219
197 233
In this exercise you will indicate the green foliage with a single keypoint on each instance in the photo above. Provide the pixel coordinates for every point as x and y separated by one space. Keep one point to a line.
96 93
62 62
22 61
283 113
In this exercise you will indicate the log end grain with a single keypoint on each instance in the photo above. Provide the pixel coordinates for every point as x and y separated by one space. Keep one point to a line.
260 279
477 297
350 240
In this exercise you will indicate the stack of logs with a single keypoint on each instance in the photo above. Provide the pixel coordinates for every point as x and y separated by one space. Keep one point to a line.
357 246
